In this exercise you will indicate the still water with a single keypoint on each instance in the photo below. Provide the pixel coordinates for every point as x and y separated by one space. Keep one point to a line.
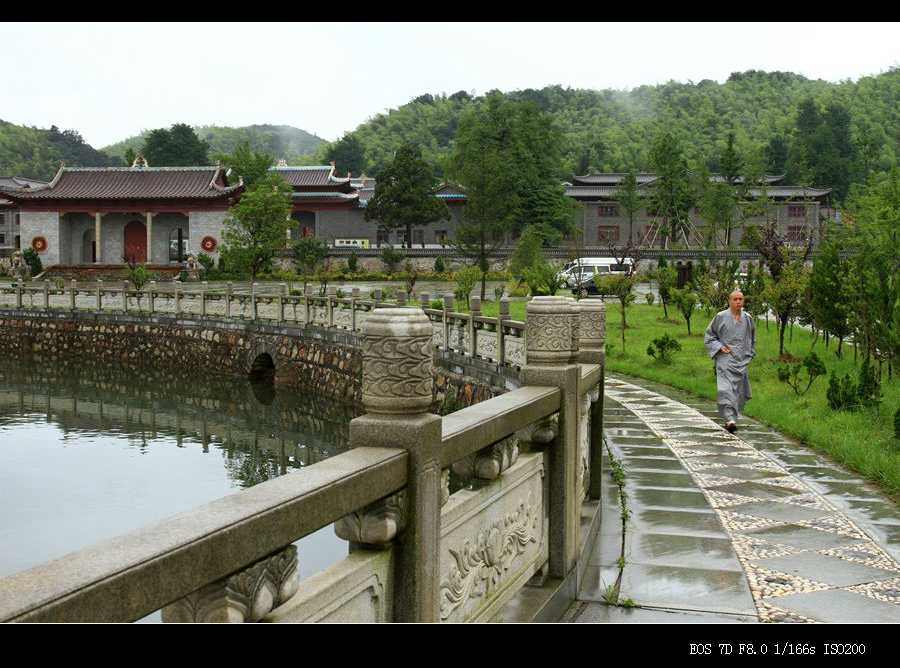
92 451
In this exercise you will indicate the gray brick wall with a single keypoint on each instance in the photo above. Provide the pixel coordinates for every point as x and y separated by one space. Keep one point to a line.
45 224
206 223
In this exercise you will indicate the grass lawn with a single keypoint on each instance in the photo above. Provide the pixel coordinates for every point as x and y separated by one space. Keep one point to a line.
861 441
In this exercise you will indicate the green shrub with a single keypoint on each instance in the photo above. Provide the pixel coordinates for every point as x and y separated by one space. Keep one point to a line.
437 304
662 348
844 394
391 258
650 297
542 279
352 261
206 261
439 265
33 261
790 373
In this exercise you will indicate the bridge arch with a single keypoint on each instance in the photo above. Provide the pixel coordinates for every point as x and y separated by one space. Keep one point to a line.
262 359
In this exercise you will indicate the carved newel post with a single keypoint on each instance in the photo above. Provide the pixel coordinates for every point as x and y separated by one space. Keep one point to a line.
593 351
397 390
550 333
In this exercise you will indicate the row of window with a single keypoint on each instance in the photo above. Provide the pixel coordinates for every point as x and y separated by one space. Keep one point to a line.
4 217
610 234
612 211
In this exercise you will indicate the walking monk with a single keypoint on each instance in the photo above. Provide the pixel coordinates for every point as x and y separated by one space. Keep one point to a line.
731 342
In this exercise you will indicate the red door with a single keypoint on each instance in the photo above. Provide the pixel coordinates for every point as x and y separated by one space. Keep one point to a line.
135 242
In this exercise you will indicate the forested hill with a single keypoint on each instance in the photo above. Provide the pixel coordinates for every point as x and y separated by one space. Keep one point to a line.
610 130
35 153
281 141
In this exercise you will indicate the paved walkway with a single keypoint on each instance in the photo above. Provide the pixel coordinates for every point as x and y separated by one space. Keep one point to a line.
733 528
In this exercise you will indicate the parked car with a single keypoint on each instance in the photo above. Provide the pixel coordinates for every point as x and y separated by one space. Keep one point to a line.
580 270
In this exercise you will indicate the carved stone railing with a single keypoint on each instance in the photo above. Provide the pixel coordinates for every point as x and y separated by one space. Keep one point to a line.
468 336
529 460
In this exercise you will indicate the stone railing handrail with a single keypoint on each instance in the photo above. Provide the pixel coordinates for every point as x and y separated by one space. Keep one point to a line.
500 339
131 576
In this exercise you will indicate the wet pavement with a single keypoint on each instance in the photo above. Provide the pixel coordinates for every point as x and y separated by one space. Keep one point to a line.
750 527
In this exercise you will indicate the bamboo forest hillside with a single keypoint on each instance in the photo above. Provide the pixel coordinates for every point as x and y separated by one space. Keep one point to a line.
611 130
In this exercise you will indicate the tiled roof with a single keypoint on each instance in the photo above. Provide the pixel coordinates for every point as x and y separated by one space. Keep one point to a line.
130 183
317 175
768 178
610 179
610 192
19 182
327 196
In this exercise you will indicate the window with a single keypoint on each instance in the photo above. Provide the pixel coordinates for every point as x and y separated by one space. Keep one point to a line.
383 237
607 234
178 245
2 239
17 219
440 237
401 237
796 211
419 237
608 210
2 218
795 233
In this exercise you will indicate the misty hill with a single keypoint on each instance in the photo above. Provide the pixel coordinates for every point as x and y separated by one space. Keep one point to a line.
35 153
282 141
611 130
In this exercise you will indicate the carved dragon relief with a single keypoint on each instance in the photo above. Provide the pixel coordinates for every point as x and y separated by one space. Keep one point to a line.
479 566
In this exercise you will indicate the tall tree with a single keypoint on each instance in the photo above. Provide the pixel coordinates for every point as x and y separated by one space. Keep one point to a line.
177 147
628 198
251 166
404 194
347 154
673 195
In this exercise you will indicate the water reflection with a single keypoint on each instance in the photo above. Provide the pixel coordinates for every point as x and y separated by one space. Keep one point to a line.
89 451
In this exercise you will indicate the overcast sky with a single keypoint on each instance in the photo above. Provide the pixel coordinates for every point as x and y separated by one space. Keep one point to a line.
111 81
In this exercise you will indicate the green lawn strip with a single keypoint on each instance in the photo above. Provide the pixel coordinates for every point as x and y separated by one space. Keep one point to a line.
862 441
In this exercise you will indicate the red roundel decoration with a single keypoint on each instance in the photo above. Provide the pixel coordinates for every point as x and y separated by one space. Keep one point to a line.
208 244
40 244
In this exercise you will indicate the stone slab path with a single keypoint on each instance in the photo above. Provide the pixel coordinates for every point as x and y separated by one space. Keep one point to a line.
750 527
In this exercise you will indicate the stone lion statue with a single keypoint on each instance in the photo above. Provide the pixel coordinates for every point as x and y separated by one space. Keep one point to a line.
193 267
20 270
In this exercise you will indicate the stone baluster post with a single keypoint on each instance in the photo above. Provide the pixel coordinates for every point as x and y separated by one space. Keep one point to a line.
575 316
177 295
401 298
354 296
282 291
377 298
152 289
330 297
548 338
423 300
475 312
99 295
72 294
503 306
253 309
125 288
19 294
229 288
592 333
449 303
397 392
307 293
204 286
46 294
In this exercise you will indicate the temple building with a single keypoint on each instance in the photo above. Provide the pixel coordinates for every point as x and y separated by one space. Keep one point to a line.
602 221
10 238
333 207
110 215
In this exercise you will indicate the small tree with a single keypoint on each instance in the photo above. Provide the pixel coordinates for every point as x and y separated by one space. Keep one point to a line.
662 348
621 287
257 225
526 254
542 279
790 373
466 279
352 260
783 296
309 254
391 258
33 260
628 198
686 301
666 278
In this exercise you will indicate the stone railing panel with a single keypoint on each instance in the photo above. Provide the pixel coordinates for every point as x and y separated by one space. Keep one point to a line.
356 589
493 539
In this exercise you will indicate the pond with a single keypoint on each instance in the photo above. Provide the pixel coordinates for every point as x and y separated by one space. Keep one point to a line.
90 451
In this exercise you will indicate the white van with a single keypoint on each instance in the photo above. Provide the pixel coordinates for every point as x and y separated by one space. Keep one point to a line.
577 271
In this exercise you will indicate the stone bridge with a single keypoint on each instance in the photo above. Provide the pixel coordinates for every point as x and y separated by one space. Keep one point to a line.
531 457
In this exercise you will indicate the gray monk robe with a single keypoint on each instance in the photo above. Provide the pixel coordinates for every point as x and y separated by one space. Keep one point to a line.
732 379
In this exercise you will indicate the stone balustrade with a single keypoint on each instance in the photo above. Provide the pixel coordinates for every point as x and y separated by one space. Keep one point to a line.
527 514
